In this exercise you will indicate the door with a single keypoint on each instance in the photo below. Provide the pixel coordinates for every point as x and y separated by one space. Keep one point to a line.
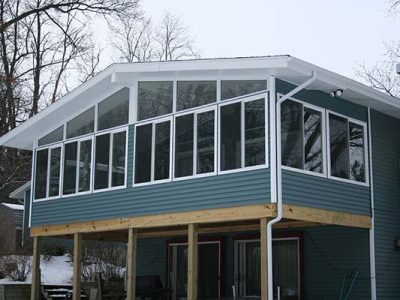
286 268
208 268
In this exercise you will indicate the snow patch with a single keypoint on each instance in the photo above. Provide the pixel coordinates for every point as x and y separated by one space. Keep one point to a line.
14 206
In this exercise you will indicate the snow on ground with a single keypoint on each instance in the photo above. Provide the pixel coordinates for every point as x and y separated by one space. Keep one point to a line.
56 271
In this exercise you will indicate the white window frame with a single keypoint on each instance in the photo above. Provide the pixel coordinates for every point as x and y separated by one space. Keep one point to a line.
48 149
110 157
153 138
195 114
366 154
324 134
243 100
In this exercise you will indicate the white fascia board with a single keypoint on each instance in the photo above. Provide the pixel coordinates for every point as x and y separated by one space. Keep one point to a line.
9 138
19 193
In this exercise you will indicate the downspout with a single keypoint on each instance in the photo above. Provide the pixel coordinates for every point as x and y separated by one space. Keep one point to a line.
276 161
372 230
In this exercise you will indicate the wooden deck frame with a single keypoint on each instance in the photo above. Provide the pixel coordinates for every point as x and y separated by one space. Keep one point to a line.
216 217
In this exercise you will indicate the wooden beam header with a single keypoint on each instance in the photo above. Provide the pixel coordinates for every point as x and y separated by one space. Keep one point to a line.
213 220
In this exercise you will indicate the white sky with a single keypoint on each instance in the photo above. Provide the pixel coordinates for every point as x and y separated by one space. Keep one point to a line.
334 34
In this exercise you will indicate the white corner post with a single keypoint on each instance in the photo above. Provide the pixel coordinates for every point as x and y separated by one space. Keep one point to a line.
372 230
131 264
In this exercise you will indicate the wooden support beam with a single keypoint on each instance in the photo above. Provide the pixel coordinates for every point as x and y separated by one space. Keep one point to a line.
192 262
77 267
264 258
216 215
131 264
35 287
326 216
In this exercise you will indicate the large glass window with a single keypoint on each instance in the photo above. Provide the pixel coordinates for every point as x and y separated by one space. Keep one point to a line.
347 149
235 88
85 165
195 93
53 137
110 160
82 124
154 98
195 143
242 132
70 163
153 151
114 111
301 137
54 176
42 157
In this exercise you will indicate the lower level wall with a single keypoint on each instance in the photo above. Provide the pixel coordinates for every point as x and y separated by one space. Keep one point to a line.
15 291
328 252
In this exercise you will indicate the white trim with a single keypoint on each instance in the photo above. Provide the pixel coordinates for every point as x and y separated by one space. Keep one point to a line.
366 154
372 230
272 137
33 179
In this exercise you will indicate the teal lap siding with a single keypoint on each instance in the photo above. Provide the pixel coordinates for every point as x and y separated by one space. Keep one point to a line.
228 190
386 154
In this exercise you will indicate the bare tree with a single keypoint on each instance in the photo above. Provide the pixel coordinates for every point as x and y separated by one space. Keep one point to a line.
173 40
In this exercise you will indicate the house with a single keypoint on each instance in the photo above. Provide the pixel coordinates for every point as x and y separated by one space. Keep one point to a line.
11 216
261 176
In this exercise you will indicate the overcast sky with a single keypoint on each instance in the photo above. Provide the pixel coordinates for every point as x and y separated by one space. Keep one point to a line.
334 34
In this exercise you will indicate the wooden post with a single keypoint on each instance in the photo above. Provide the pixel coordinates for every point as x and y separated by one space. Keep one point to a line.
192 262
77 266
35 269
131 265
264 258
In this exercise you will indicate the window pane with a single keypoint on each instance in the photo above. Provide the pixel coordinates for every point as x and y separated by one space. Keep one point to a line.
230 137
162 150
114 110
254 133
102 164
154 99
85 165
312 141
205 142
118 159
357 159
143 153
54 185
41 173
54 136
291 134
184 146
339 146
70 156
82 124
236 88
195 93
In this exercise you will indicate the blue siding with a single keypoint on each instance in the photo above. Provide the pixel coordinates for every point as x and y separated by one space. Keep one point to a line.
386 154
319 192
235 189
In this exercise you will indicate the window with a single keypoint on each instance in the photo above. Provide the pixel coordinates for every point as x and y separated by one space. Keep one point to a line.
347 148
53 137
153 151
154 99
85 166
114 111
82 124
70 159
195 143
301 136
41 173
110 160
47 172
242 134
235 88
195 93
